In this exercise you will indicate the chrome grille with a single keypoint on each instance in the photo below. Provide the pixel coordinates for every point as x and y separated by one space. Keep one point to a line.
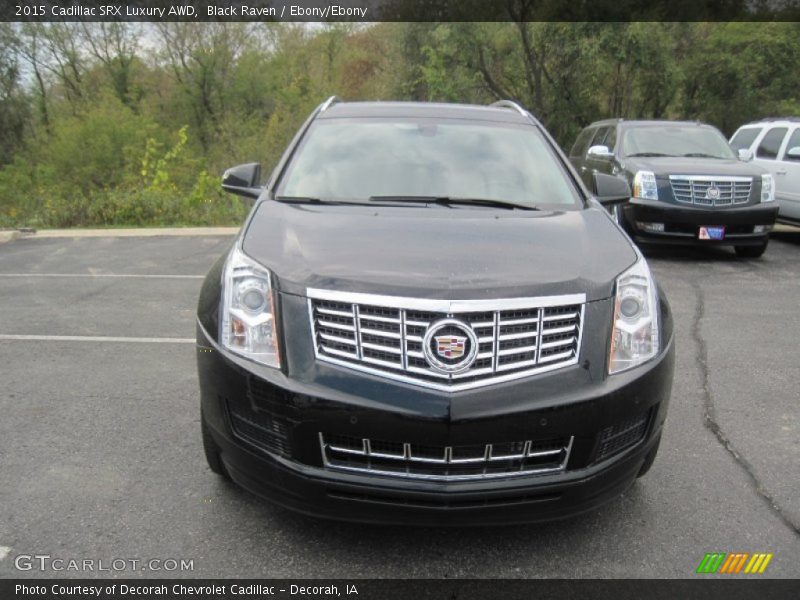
384 335
694 189
403 459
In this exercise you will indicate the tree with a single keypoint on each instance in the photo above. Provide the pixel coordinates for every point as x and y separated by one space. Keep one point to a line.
115 45
13 105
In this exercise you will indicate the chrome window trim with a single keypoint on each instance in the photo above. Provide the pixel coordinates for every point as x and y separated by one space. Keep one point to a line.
449 307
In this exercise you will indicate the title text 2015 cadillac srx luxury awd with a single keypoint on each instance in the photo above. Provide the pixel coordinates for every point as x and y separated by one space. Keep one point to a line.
427 318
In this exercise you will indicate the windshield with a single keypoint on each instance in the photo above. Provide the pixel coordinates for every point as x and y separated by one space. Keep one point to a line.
358 159
675 140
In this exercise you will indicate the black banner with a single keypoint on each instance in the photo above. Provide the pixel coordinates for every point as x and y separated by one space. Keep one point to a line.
400 10
733 588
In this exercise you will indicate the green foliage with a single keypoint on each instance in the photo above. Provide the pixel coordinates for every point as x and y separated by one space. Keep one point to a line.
13 103
100 129
743 71
101 169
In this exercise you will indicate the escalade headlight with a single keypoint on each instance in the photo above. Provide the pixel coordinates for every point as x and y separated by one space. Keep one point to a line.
248 310
644 185
634 337
767 188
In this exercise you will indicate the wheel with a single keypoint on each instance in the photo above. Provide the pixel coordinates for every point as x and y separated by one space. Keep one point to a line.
650 458
750 251
212 451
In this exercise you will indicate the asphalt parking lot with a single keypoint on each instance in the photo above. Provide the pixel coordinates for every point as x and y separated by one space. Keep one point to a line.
100 453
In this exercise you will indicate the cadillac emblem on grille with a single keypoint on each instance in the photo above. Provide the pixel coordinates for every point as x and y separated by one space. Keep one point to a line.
712 193
450 346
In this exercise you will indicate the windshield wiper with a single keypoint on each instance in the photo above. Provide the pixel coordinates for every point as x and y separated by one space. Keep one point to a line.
451 200
313 200
699 155
649 154
299 199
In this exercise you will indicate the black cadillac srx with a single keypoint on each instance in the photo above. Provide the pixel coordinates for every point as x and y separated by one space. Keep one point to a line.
688 187
427 318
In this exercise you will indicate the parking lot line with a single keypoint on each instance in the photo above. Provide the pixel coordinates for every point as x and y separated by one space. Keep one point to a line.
4 550
96 275
95 338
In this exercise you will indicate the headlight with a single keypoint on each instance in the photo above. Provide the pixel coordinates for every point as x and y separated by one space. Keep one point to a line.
767 188
644 185
248 311
634 338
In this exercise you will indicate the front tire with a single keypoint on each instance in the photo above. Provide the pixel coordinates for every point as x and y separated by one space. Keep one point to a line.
750 251
212 451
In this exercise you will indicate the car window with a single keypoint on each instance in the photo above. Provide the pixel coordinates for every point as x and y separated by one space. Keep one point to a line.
611 138
771 143
357 158
745 137
794 141
598 138
582 143
675 140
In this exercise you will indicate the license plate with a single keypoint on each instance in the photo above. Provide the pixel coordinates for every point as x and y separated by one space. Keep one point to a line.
711 233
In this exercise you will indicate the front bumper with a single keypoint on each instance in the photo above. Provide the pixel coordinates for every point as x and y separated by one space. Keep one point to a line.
282 460
682 223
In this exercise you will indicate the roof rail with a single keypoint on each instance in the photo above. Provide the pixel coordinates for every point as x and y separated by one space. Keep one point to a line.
512 105
328 103
790 119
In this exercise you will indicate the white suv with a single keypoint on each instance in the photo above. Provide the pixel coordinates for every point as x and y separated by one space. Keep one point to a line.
775 145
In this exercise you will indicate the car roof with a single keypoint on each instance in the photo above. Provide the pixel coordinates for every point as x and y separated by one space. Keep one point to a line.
423 110
648 123
773 121
665 123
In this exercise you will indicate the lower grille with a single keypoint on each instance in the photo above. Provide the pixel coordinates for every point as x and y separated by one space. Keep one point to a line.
443 503
621 436
447 463
260 429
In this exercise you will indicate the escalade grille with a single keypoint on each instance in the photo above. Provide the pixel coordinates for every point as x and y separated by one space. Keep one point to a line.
703 190
399 459
388 336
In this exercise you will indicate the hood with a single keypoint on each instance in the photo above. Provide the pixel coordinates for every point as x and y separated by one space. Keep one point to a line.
673 165
438 252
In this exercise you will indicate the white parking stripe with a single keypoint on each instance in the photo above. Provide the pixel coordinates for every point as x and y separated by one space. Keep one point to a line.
95 338
4 550
95 275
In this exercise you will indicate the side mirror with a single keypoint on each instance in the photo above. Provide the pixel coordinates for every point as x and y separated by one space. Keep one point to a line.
610 189
793 153
243 180
601 152
745 155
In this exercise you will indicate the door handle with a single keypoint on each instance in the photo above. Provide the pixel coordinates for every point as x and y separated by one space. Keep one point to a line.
780 172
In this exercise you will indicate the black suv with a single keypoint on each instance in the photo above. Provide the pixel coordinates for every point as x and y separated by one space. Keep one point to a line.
688 185
427 318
